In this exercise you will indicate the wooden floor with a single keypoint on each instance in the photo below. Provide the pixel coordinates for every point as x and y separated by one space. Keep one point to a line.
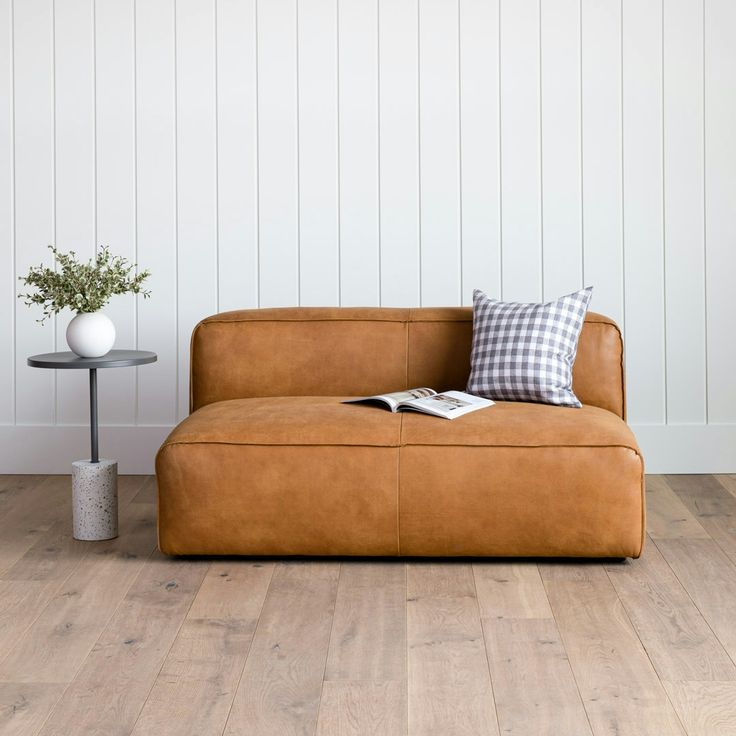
113 638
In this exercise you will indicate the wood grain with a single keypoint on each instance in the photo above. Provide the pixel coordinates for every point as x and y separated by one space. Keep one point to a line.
194 691
712 505
148 492
449 683
667 516
39 507
25 705
677 639
36 577
280 689
620 689
728 482
706 708
368 639
510 590
362 709
112 685
533 685
710 580
54 647
12 486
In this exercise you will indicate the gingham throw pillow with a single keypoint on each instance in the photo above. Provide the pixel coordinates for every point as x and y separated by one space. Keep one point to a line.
525 352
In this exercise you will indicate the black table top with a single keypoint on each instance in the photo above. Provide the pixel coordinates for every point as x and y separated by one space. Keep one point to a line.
113 359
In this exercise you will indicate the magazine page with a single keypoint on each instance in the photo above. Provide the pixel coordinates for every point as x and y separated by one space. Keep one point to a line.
450 404
397 397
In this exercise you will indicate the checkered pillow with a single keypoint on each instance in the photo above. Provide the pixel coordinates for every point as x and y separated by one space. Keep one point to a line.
525 352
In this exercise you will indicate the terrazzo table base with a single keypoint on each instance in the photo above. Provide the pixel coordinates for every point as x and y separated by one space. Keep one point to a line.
95 499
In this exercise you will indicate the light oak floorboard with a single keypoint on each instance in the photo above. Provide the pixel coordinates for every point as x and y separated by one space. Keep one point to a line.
54 647
510 590
712 505
667 516
449 683
362 709
112 637
281 685
34 579
25 705
194 691
33 512
706 708
620 689
533 685
368 639
109 691
679 642
148 492
710 579
12 486
728 482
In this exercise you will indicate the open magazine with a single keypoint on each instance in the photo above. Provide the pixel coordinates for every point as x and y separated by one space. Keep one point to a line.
448 405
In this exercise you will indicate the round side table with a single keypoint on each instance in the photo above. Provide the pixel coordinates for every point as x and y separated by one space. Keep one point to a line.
94 481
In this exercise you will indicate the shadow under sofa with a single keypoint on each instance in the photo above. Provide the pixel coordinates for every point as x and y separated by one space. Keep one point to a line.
270 462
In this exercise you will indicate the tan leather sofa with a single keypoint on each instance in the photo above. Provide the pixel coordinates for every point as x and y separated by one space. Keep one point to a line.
271 463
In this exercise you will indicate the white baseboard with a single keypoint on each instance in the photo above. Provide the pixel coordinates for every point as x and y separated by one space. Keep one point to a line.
687 448
51 449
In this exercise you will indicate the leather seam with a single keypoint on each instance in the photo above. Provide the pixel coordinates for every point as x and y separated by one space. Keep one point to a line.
407 444
407 356
210 321
398 490
414 319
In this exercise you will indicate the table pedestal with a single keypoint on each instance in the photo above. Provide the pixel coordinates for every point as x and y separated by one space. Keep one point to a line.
95 499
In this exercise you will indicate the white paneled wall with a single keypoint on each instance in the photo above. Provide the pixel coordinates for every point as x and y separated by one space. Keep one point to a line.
394 152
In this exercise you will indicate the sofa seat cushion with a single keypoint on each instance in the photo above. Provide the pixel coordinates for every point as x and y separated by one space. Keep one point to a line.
517 424
294 475
313 476
289 420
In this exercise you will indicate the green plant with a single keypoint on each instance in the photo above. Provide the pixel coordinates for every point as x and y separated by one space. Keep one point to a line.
83 287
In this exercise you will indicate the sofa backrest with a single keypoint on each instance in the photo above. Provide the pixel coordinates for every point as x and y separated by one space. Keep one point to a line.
360 351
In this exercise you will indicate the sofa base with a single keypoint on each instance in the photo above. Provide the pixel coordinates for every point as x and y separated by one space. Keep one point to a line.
264 500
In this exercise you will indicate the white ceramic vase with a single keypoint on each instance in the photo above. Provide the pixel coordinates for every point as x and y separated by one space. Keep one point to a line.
91 334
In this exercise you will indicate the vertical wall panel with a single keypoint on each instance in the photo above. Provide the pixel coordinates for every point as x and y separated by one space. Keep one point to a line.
34 197
116 215
720 209
683 202
196 165
318 198
643 219
237 159
520 151
8 283
76 217
358 100
561 164
439 152
397 152
156 207
277 155
479 135
601 131
399 163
